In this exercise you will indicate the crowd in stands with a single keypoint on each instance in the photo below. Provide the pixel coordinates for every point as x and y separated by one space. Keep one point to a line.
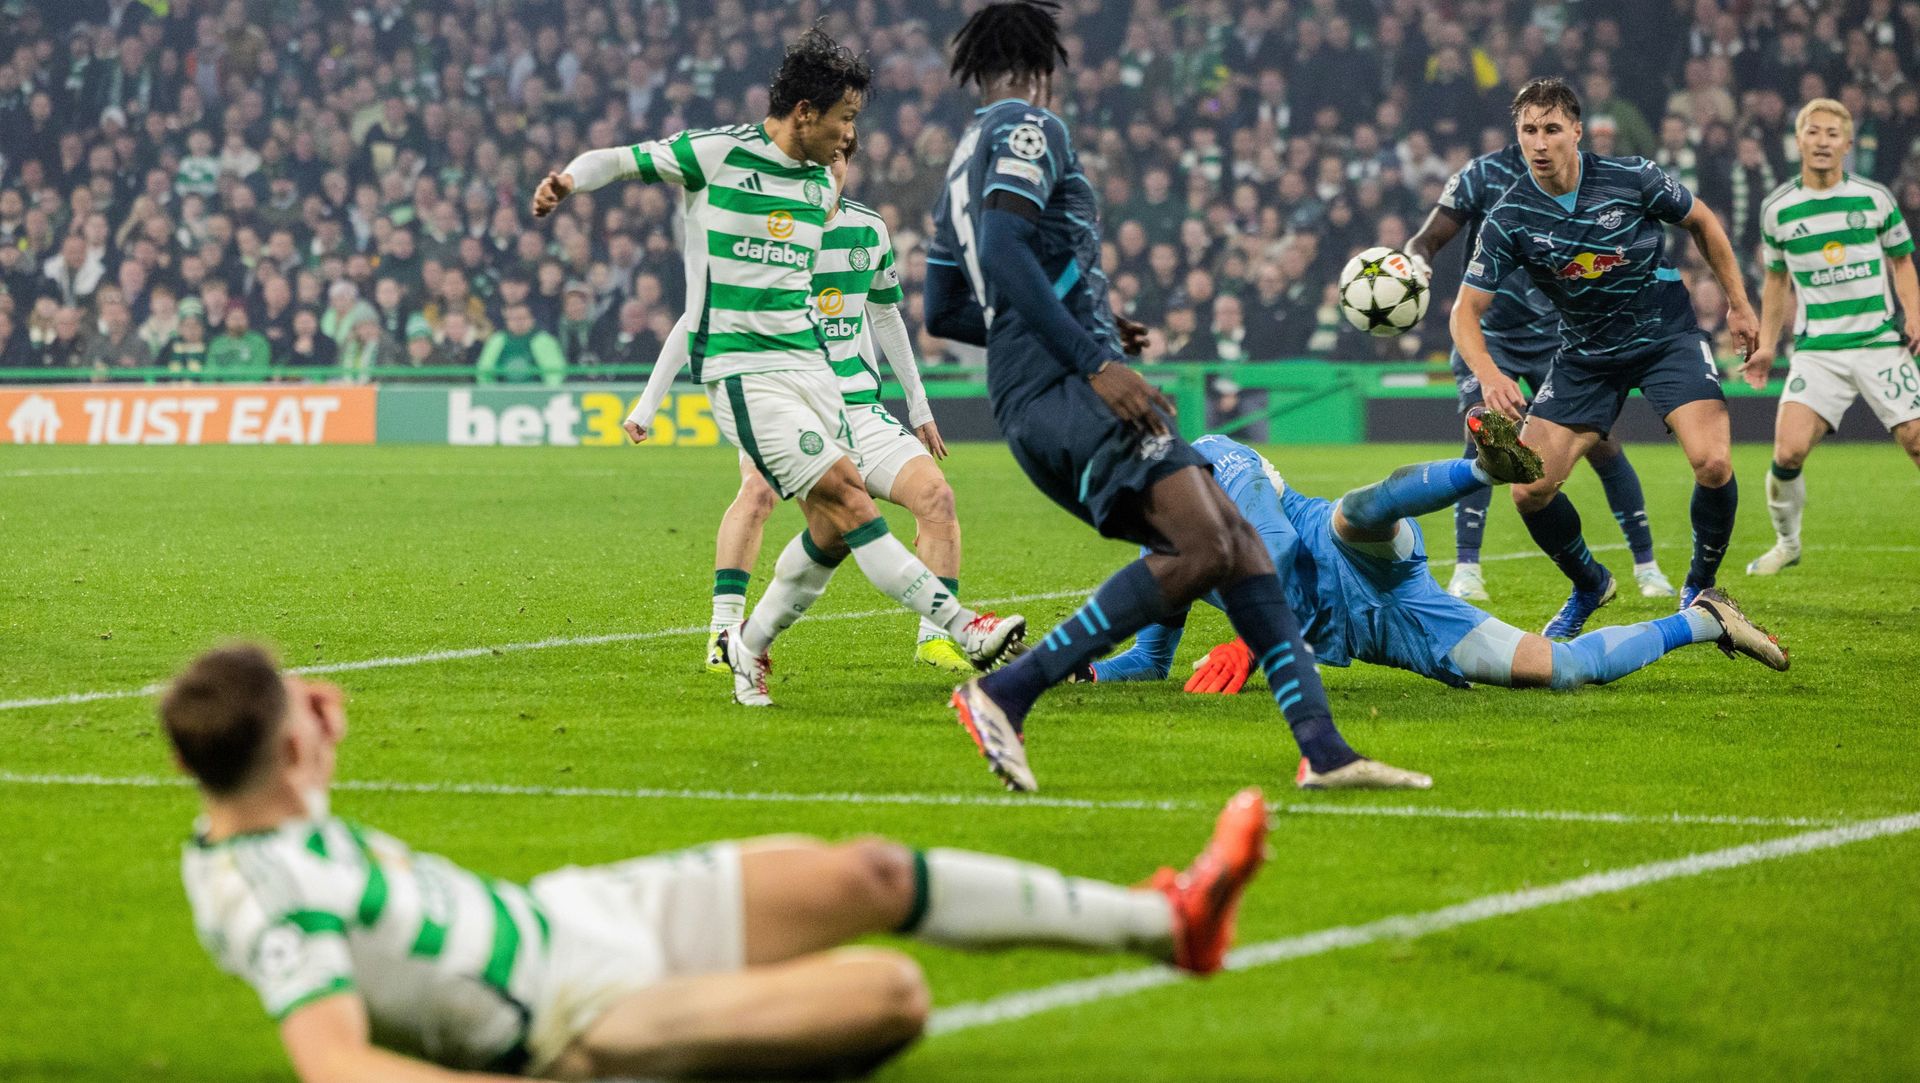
239 186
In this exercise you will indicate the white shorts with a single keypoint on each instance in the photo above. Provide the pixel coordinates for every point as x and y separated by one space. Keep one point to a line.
792 424
617 929
1826 382
882 447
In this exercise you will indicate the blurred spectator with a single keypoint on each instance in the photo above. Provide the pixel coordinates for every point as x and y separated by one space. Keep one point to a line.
238 352
368 346
290 158
521 353
308 347
187 350
117 344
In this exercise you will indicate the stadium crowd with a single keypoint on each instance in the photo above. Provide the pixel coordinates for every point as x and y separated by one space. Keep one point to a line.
222 186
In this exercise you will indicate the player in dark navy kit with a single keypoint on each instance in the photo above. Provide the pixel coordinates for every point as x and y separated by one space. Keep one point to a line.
1523 333
1589 231
1015 266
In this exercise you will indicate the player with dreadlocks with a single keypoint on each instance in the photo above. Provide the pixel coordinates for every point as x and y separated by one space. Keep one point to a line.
756 209
1015 266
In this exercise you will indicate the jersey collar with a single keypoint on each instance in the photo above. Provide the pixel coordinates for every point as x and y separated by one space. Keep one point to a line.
1001 101
1572 198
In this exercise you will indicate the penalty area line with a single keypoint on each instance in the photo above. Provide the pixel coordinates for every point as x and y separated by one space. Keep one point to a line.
1013 1007
952 800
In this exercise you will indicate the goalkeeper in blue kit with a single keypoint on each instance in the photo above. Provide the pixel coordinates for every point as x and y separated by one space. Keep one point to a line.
1360 586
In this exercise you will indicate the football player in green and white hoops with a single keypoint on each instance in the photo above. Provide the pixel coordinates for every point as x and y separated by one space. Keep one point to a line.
380 962
856 293
1838 243
755 210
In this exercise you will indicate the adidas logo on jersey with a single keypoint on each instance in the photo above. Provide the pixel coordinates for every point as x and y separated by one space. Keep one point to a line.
1833 276
767 252
752 183
1799 230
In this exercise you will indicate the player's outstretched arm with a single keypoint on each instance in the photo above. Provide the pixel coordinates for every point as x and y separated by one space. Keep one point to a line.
1497 389
1436 233
889 331
1776 300
1711 238
328 1042
673 357
676 160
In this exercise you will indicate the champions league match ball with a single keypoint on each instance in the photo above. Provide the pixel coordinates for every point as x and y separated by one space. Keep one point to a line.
1382 292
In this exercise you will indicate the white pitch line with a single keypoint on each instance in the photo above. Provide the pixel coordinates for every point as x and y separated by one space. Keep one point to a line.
945 800
1021 1005
456 654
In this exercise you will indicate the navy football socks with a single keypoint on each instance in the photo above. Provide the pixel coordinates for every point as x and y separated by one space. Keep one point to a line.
1257 606
1629 504
1470 519
1713 511
1124 604
1556 530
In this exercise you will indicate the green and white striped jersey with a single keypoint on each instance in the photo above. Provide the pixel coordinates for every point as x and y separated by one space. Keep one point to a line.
1836 242
444 959
855 267
754 219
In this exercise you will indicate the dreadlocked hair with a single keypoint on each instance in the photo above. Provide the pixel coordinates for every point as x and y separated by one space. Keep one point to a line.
1018 38
817 70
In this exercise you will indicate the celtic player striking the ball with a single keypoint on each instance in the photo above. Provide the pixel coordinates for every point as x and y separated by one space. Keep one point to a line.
756 207
1837 242
856 293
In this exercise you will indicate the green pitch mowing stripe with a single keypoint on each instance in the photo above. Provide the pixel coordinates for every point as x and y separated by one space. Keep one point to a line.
460 653
1021 1005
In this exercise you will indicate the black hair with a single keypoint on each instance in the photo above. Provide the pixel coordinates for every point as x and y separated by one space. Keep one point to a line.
1547 95
1018 38
817 70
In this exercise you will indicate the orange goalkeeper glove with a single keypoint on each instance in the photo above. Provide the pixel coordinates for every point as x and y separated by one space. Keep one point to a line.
1223 670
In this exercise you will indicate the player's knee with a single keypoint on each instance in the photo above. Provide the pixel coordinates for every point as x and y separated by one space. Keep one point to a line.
934 502
1907 435
1712 469
876 876
758 499
1533 497
898 999
1793 458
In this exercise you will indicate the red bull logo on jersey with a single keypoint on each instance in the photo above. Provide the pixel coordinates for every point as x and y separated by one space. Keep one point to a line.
1593 264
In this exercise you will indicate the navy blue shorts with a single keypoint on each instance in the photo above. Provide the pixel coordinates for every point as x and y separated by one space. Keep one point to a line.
1527 361
1591 391
1091 463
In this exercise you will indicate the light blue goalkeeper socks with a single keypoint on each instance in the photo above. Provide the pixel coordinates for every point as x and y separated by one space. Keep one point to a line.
1611 653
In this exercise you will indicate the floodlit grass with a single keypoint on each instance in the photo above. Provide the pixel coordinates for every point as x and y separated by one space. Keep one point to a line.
117 564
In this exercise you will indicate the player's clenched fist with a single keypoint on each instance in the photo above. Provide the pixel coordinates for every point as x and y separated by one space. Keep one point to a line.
556 187
1223 670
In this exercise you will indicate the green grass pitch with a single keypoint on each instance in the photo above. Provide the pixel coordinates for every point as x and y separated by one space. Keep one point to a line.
117 564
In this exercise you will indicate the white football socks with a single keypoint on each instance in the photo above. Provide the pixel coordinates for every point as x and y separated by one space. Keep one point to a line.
984 900
1785 501
798 582
893 569
728 610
